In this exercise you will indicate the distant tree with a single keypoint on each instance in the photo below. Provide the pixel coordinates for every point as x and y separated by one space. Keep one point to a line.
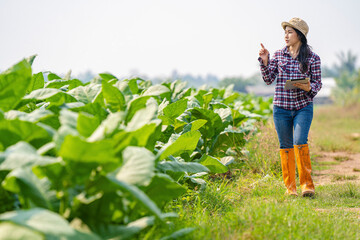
240 83
347 78
346 63
328 72
195 81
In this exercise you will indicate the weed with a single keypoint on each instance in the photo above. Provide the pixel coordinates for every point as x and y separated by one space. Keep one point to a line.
339 177
341 158
350 191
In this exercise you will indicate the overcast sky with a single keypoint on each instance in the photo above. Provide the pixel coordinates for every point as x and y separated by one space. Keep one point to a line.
155 37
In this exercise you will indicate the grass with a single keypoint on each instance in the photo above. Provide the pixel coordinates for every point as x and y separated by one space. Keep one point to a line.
332 128
339 177
255 207
322 165
252 205
341 158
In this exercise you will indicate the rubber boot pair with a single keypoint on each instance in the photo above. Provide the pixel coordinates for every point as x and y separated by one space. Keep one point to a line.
301 152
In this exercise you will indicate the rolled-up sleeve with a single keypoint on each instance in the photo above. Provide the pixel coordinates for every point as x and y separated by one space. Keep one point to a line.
269 72
315 78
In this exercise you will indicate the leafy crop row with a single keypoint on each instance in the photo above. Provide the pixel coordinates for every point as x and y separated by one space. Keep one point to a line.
101 160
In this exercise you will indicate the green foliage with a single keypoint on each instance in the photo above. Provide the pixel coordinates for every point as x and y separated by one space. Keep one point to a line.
347 91
239 83
347 77
102 160
13 84
346 63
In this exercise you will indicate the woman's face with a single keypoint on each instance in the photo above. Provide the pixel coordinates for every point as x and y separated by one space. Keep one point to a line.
291 37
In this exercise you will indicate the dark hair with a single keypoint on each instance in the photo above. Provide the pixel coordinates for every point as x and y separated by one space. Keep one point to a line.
304 52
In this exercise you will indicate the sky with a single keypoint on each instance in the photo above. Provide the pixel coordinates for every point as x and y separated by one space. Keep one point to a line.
156 37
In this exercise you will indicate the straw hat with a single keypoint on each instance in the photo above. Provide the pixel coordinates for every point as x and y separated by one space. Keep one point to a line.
297 23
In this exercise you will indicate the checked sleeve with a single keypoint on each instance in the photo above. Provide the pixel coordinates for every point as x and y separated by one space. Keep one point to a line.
315 78
269 72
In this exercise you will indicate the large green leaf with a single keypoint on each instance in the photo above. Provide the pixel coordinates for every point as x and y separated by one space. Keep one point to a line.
142 137
87 123
108 127
134 88
107 76
31 59
75 149
143 116
199 96
34 116
49 224
227 139
163 189
177 87
237 117
172 111
138 166
186 142
13 84
63 132
114 98
207 99
23 155
214 123
213 164
11 231
137 194
195 125
230 99
179 233
86 94
37 82
52 95
52 76
176 166
92 108
156 90
225 114
44 93
175 109
12 131
24 182
134 105
111 231
228 91
68 118
58 83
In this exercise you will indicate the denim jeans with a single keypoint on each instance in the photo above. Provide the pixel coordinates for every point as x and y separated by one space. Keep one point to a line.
292 126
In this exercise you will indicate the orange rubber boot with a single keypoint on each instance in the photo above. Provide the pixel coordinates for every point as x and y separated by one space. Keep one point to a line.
304 168
288 170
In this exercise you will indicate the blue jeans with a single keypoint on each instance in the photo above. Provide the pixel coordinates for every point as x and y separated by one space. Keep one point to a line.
292 126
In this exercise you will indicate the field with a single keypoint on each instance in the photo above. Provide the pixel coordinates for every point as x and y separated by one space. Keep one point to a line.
251 203
103 159
126 159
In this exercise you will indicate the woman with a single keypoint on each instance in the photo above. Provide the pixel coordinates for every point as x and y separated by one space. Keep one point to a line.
293 109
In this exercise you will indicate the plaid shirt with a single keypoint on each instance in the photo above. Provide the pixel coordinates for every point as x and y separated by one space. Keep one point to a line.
283 67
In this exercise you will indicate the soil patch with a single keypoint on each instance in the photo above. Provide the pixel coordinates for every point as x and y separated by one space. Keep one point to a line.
340 167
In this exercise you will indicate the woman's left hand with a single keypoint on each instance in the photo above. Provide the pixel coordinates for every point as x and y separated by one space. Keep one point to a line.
304 86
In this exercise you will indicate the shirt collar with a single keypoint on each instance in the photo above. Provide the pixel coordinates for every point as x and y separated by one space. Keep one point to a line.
285 50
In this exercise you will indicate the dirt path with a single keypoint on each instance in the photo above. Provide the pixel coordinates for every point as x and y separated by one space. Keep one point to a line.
336 167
